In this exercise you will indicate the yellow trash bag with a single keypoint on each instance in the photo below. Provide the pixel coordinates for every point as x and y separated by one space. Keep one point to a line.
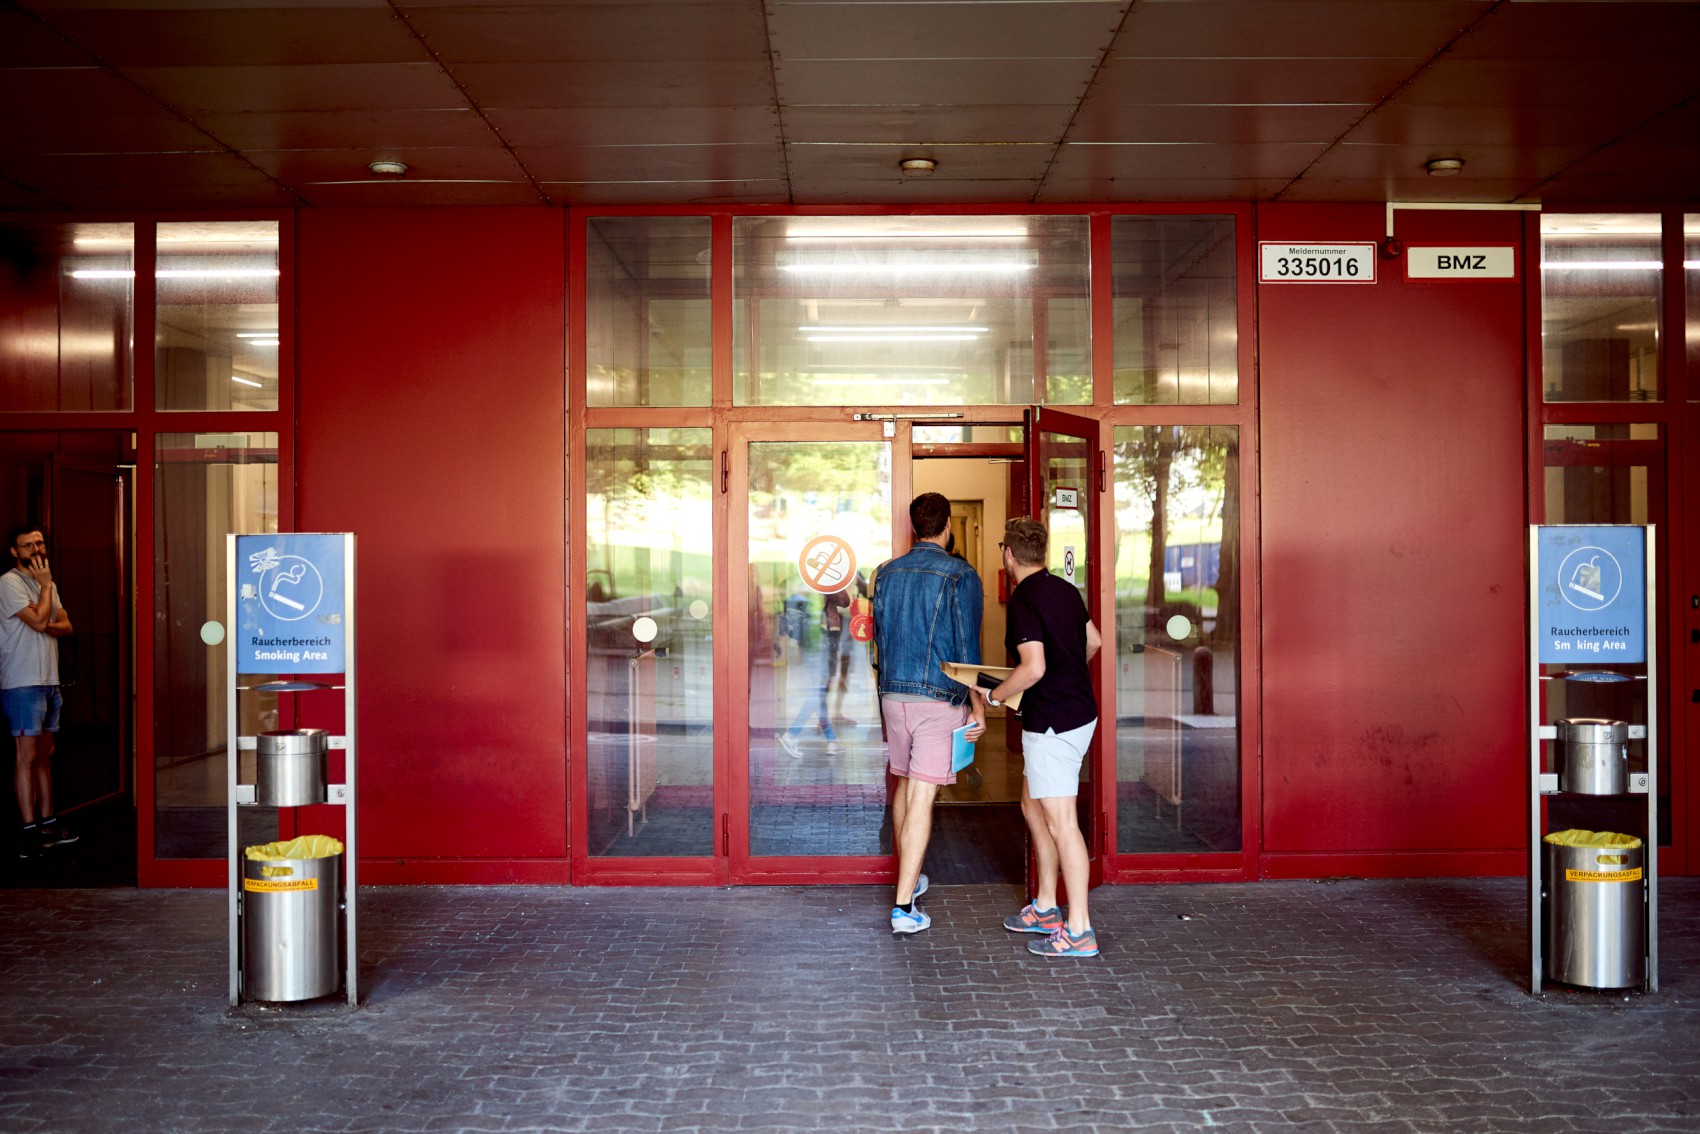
1575 837
307 846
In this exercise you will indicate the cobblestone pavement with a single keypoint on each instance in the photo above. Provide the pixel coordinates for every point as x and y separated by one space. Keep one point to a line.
1398 1006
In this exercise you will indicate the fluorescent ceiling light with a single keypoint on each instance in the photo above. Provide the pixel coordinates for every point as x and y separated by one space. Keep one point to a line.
831 234
179 274
256 334
864 380
245 381
892 338
1602 265
940 268
889 329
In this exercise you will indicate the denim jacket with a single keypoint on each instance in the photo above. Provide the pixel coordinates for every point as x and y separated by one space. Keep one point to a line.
927 607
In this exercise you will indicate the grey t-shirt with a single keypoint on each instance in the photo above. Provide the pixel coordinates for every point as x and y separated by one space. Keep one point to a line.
27 657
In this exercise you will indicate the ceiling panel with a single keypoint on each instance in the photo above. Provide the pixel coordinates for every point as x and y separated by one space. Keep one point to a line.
348 129
1634 88
26 41
1297 29
668 193
920 192
99 133
931 31
1189 161
1584 32
1110 120
72 91
302 168
421 194
824 164
611 85
1421 188
1525 165
922 124
1065 190
588 33
944 82
1401 122
54 172
352 86
656 163
663 125
270 35
163 197
1222 82
16 198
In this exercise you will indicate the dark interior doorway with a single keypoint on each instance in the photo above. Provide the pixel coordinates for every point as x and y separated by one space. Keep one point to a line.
77 486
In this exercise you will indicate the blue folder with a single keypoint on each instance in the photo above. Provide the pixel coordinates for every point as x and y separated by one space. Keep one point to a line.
961 748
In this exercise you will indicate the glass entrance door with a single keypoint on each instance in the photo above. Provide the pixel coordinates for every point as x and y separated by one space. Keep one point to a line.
1065 469
810 520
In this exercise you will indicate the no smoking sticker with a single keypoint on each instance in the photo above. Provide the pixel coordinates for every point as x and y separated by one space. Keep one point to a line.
827 564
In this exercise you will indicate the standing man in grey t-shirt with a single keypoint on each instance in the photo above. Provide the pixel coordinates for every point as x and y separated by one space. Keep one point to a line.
31 622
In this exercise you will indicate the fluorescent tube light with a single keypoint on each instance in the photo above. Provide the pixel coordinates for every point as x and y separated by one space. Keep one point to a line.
890 329
179 274
943 268
892 338
246 381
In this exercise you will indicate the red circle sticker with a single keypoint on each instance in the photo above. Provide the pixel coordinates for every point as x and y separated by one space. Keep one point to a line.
827 564
862 628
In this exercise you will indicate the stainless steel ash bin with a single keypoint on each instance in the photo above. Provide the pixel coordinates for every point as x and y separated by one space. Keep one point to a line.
290 767
1596 926
1593 756
291 898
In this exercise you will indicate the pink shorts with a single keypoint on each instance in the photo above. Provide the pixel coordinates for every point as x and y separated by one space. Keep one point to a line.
917 738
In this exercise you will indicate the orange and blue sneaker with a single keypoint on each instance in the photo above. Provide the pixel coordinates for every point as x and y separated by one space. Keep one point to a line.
1062 943
1034 920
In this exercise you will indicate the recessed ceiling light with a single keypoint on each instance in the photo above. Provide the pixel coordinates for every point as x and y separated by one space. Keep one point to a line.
917 166
388 168
1444 167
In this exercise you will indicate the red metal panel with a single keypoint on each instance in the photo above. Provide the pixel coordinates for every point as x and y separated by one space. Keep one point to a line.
1393 572
432 407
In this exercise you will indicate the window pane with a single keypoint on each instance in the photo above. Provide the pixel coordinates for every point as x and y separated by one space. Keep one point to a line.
216 344
1691 277
1600 276
1177 334
206 485
647 311
1605 474
1177 634
911 310
649 608
66 301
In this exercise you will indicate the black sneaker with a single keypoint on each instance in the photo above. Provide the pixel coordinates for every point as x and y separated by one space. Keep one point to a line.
56 834
30 842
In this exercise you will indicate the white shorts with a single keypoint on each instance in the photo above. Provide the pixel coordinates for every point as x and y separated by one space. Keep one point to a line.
1052 760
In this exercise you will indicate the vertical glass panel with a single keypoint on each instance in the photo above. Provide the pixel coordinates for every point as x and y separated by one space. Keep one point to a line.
216 342
648 325
1176 326
930 310
649 609
1691 278
66 307
206 486
1178 638
1606 474
1600 278
820 522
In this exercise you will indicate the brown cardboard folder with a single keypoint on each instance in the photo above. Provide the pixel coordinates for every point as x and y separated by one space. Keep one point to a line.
972 675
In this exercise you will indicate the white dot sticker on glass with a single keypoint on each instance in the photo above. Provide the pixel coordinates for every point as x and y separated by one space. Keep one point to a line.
699 610
212 633
644 628
1179 627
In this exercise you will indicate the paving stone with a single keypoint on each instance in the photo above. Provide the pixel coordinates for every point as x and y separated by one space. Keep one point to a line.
1394 1007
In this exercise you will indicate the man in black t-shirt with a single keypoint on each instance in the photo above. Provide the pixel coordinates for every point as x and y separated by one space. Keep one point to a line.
1052 635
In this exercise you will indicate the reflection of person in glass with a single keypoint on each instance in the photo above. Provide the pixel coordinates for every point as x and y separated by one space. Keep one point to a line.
31 618
832 625
1051 633
927 607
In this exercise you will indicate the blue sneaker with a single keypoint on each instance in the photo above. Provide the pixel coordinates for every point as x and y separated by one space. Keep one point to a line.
920 886
904 922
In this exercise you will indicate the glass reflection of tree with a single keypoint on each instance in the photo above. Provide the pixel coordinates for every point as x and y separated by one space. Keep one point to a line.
1163 463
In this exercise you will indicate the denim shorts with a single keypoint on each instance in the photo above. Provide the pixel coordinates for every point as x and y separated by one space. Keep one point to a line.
31 709
1052 760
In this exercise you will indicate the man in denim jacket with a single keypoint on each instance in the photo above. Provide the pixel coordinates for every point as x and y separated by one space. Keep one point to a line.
927 607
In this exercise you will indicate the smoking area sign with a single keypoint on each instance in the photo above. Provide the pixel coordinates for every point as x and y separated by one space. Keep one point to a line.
1592 595
291 597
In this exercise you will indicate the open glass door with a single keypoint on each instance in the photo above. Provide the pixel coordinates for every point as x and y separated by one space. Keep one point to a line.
1065 476
811 520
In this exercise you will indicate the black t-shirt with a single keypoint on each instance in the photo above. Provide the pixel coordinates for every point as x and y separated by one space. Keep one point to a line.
1046 609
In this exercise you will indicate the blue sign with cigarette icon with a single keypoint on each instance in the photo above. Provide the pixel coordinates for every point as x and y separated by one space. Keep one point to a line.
290 593
1591 597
